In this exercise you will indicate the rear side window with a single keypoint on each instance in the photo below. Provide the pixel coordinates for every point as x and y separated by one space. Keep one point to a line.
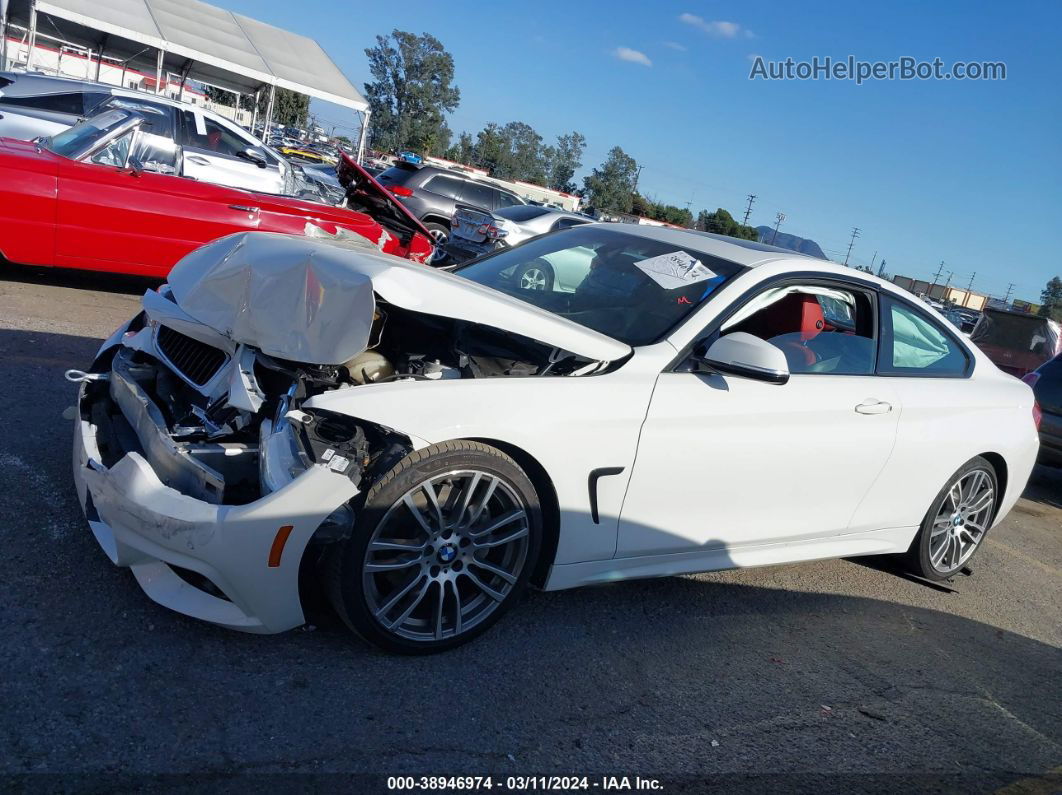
506 199
58 103
461 190
915 345
396 175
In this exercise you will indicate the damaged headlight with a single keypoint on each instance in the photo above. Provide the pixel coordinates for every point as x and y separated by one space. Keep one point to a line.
280 457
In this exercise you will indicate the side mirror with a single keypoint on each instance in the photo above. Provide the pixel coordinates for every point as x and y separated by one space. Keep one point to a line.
253 155
134 166
747 356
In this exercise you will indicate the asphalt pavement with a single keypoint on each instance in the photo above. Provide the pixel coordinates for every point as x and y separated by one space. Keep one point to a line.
832 675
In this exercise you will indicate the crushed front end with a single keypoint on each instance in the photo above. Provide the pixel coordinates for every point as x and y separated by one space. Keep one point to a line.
211 505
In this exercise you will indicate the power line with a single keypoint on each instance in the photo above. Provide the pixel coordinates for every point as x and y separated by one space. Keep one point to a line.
752 198
856 232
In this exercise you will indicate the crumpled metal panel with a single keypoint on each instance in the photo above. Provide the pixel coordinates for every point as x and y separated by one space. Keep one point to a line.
311 300
288 296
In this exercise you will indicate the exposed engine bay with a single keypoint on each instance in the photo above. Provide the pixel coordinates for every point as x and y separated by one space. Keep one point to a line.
226 424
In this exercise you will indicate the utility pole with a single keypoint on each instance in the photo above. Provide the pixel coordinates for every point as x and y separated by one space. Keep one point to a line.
969 288
748 210
637 177
872 261
881 269
778 222
856 232
936 278
1010 289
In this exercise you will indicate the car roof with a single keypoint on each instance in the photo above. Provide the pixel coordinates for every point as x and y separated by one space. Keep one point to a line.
743 252
51 84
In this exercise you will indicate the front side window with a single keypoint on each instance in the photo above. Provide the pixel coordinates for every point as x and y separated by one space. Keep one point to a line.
913 344
209 136
115 153
84 135
631 288
825 329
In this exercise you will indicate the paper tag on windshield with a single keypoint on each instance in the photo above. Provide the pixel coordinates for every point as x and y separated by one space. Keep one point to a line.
200 122
674 270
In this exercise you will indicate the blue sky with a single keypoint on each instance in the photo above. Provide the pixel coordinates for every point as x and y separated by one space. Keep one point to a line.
969 172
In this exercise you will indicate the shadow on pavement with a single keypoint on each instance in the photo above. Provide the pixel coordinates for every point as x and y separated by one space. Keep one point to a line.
76 279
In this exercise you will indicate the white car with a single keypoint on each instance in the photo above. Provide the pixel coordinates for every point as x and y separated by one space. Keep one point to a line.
213 148
289 411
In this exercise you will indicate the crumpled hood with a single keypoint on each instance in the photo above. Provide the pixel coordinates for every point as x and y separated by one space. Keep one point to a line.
312 300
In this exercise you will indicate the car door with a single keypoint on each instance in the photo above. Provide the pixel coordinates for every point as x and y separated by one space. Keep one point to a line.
211 154
110 218
929 369
725 461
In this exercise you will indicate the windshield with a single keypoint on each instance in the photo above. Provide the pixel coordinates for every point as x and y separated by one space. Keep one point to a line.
625 286
82 136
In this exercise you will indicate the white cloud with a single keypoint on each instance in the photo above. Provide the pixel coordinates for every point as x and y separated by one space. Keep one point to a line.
717 29
674 45
752 56
633 56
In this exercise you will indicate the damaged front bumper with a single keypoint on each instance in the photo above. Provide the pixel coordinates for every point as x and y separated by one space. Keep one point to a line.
232 565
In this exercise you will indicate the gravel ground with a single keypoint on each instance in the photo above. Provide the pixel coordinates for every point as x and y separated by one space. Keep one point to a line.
835 675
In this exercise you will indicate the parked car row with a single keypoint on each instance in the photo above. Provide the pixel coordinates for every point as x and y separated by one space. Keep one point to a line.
433 194
109 194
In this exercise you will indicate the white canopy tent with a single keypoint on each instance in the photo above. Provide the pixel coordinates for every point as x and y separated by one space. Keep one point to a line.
196 41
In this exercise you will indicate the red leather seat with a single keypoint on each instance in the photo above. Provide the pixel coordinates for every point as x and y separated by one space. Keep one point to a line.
795 314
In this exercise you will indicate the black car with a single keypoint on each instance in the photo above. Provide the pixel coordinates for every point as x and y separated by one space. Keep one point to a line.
1047 386
432 194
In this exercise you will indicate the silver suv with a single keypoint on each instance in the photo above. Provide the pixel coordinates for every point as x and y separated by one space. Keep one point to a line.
215 149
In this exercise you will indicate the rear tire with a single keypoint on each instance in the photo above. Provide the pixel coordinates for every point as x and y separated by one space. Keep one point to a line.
956 523
442 548
534 275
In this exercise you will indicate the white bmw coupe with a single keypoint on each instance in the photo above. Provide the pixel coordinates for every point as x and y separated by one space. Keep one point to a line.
291 413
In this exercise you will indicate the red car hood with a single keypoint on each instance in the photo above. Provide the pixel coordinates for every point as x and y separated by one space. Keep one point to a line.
357 180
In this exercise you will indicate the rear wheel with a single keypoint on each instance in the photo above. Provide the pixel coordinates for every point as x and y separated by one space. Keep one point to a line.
534 275
956 523
442 548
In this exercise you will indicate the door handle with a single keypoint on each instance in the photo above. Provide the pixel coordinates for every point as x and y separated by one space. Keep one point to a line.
199 161
872 406
243 208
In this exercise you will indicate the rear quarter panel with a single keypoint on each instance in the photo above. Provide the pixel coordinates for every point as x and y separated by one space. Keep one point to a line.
944 422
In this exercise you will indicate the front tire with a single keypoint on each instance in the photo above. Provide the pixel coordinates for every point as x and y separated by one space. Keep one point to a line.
442 548
956 523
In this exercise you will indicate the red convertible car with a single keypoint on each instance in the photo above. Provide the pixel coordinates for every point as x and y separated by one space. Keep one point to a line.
104 195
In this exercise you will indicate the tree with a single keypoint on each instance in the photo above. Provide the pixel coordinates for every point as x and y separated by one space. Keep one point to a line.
410 92
1051 300
290 108
722 223
611 186
463 151
564 160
